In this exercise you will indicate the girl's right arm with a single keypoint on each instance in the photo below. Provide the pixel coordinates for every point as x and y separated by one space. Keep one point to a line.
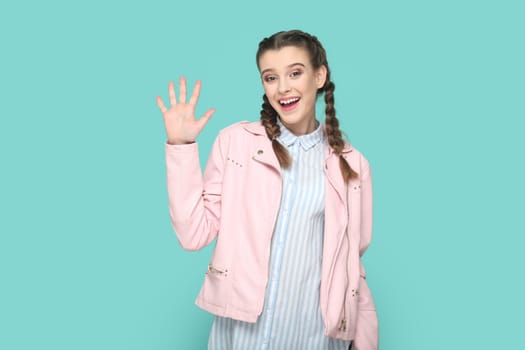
194 201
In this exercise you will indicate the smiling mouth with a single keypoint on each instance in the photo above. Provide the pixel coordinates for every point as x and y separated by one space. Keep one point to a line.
289 103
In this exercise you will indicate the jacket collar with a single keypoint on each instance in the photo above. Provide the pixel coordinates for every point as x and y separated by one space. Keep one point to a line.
266 155
308 141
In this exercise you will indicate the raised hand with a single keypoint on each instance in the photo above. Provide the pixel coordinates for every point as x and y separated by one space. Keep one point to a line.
179 120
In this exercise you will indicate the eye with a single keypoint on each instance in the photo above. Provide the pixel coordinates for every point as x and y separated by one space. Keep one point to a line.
296 73
269 78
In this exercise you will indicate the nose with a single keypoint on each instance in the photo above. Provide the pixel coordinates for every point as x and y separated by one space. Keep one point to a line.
284 86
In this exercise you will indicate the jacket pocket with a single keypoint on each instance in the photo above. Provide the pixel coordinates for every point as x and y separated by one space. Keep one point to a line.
215 288
216 271
365 300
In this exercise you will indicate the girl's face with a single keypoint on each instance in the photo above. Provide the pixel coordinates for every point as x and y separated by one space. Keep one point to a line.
290 82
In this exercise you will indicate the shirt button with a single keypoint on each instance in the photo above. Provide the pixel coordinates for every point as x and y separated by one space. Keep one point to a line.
259 152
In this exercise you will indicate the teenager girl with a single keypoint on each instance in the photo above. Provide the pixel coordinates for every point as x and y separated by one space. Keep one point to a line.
290 204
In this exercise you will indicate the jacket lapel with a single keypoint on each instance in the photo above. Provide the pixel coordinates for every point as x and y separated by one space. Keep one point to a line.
263 153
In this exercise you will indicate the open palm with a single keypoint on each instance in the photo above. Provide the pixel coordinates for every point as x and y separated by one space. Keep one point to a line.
179 120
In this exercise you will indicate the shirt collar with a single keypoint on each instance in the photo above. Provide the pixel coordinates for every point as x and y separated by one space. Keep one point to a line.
307 141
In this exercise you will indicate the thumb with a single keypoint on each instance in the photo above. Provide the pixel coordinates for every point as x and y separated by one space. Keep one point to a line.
206 117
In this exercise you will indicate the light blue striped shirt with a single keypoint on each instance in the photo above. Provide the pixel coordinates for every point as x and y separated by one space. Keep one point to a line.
291 317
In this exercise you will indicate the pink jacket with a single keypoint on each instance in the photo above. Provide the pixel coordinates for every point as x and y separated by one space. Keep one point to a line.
237 200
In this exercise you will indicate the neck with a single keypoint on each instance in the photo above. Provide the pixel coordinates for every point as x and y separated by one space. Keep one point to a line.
304 128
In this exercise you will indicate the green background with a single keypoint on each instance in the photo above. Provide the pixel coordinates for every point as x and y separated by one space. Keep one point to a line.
432 92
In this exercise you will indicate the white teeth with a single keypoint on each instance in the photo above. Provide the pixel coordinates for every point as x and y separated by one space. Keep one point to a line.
291 100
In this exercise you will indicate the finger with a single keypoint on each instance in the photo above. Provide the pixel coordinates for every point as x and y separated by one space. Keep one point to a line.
171 89
161 105
182 96
206 117
196 93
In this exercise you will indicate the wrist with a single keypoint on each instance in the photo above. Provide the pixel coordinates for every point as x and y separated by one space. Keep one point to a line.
179 142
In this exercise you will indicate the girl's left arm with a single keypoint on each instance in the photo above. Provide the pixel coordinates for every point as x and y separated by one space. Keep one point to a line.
366 335
366 206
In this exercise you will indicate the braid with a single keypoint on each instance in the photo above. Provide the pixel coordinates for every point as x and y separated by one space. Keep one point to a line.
335 139
269 121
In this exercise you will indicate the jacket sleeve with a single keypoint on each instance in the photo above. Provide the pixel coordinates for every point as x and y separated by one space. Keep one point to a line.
194 198
366 206
366 336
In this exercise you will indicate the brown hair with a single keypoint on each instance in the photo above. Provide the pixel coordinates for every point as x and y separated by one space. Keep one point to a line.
269 116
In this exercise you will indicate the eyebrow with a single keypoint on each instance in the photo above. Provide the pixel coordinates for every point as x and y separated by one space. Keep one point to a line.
289 66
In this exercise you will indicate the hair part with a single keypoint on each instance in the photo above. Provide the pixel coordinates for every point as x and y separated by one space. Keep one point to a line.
269 116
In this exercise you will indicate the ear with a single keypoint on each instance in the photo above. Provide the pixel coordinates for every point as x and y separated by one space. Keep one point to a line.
320 76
